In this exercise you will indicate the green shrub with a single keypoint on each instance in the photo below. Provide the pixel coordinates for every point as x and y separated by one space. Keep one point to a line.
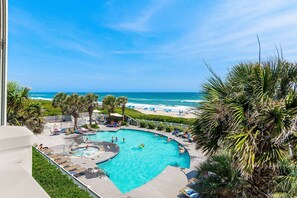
48 110
124 123
168 128
143 124
52 180
151 125
95 126
181 129
160 127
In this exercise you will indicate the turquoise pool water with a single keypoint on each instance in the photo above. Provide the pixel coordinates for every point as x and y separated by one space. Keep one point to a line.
134 166
85 152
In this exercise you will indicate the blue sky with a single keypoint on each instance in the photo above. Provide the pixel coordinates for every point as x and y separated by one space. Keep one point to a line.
147 45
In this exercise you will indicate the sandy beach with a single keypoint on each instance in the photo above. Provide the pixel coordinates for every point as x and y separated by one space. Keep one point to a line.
185 114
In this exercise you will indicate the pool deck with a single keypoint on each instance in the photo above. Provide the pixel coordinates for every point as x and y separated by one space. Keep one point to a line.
166 184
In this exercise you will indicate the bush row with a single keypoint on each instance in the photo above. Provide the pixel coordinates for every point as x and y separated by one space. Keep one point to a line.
160 126
52 180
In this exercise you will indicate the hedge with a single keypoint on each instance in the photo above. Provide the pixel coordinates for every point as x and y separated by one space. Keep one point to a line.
52 180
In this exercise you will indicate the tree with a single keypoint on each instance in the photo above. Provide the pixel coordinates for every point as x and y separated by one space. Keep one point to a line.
74 105
286 181
252 114
21 110
109 103
59 101
91 104
217 177
122 101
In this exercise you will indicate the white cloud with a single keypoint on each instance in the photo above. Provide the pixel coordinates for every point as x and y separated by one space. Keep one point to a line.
140 23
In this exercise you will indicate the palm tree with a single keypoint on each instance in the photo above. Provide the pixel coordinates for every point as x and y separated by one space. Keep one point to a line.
60 101
251 113
217 177
109 103
21 110
74 105
122 101
91 104
286 181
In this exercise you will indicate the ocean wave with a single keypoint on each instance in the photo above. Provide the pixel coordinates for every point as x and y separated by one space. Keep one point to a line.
160 107
41 98
153 99
191 100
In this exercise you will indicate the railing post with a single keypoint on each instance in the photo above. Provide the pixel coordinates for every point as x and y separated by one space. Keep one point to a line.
3 61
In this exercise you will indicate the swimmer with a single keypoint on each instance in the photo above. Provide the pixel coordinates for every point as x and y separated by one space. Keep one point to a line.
124 140
141 145
87 146
168 139
112 140
116 139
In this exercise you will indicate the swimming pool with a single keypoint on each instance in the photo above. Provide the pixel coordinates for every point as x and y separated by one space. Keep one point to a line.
134 166
83 151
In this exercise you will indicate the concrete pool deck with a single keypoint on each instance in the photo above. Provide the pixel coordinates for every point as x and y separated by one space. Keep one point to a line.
166 184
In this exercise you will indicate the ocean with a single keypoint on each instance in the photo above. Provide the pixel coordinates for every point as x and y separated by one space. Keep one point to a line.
174 101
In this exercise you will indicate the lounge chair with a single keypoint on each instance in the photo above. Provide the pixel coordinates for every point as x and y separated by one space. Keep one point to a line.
47 151
53 132
71 168
79 171
192 181
62 160
189 192
67 132
55 157
66 164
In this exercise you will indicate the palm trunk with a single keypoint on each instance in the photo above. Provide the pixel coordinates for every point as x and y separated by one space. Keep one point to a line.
123 111
75 122
90 118
261 182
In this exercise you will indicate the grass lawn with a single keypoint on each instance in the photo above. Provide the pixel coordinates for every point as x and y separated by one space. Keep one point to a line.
52 180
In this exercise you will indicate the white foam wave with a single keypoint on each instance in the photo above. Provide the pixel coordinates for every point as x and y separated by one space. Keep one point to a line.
41 98
192 101
160 107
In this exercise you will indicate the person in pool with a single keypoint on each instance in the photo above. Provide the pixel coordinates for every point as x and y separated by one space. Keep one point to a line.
112 140
141 145
124 140
87 147
116 139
